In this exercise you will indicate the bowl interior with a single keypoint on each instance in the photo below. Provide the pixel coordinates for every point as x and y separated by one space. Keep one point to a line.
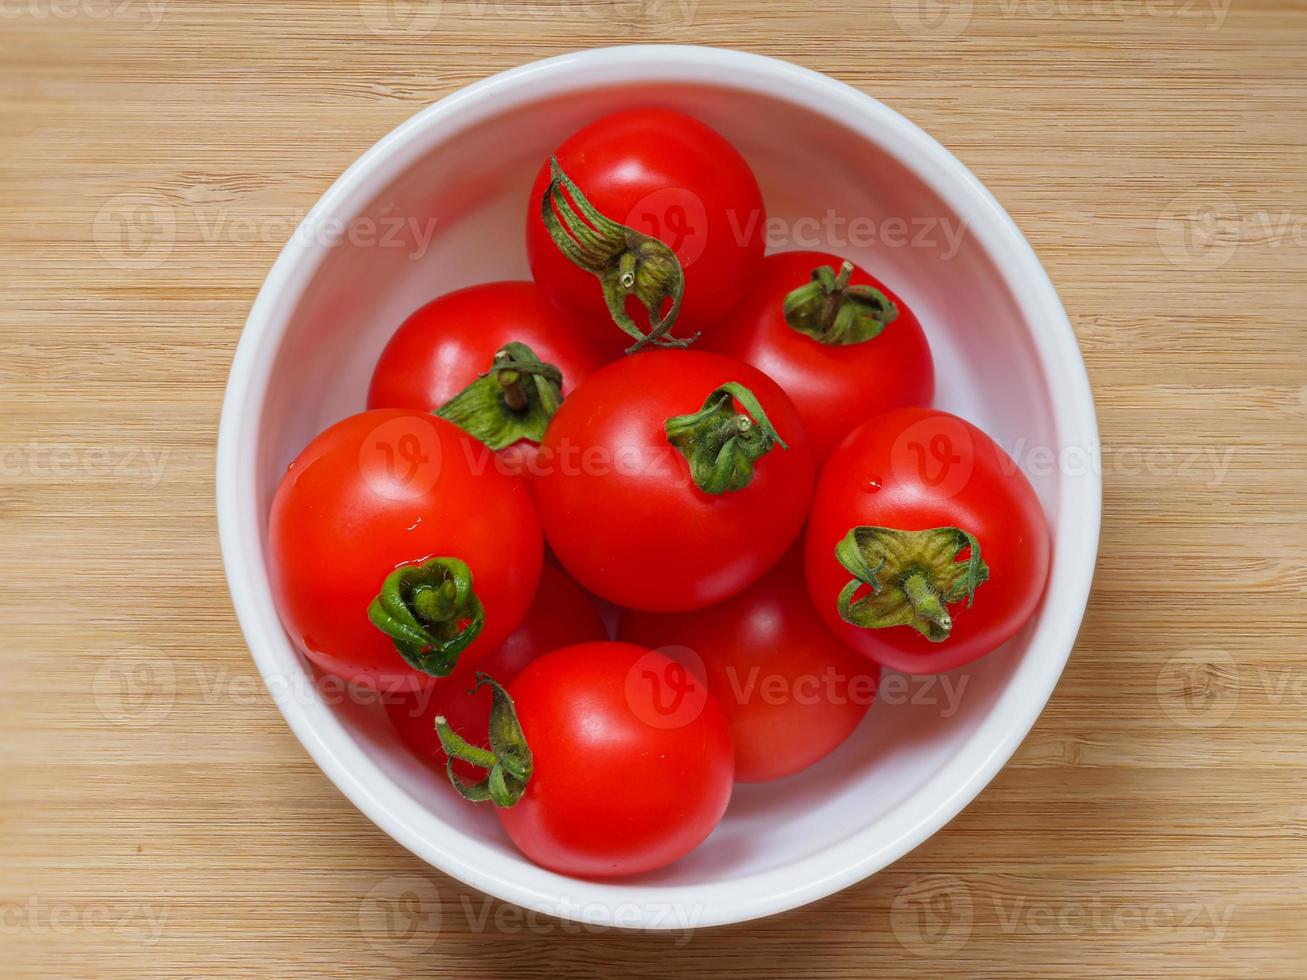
445 206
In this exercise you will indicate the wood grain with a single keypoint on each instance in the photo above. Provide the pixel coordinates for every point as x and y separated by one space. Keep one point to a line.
157 819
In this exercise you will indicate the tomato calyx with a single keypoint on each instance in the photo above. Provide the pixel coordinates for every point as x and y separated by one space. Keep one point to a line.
507 761
832 312
514 400
626 262
430 612
722 444
914 576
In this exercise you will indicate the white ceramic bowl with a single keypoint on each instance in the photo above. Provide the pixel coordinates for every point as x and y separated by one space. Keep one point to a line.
1006 356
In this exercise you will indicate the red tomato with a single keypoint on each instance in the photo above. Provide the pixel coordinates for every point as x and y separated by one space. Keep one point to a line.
666 176
561 615
448 344
837 382
791 691
386 489
970 576
631 761
440 349
637 524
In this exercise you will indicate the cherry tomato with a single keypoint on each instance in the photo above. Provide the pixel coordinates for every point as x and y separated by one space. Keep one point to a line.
383 522
451 342
648 174
665 482
926 547
842 345
561 615
791 691
616 760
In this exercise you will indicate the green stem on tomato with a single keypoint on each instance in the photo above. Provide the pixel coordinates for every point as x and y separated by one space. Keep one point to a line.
625 261
722 444
832 312
514 400
913 577
430 612
507 761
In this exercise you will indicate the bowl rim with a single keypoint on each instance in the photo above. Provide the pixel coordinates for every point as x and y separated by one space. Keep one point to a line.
645 905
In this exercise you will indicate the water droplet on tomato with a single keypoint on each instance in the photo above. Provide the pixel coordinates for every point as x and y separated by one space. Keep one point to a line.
871 485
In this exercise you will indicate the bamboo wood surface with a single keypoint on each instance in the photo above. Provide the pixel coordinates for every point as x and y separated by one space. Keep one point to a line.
158 819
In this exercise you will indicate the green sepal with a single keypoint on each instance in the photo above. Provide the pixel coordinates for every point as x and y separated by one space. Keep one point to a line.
431 613
831 311
626 262
722 444
514 400
914 576
507 761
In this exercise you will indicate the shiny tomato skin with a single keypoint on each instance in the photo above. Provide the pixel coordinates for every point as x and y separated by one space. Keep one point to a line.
791 691
560 615
835 387
621 783
892 472
442 348
618 505
378 490
667 175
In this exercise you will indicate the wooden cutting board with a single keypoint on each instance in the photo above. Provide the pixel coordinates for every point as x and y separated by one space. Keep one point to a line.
157 818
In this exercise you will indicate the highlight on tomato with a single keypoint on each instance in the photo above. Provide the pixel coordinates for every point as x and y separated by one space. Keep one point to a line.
926 547
561 615
647 219
603 759
840 342
494 359
671 480
392 558
790 689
